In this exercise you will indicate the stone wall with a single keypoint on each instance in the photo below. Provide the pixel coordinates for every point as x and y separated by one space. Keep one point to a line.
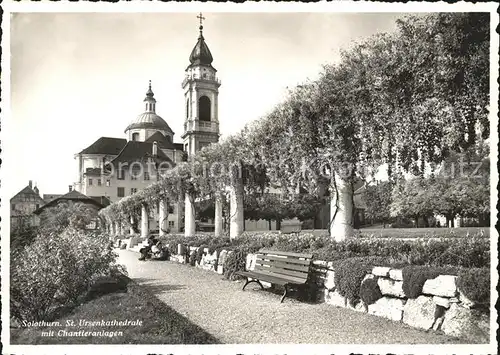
440 307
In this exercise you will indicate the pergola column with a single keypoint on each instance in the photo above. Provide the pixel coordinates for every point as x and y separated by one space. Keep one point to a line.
189 218
218 215
163 216
144 221
342 226
236 210
132 222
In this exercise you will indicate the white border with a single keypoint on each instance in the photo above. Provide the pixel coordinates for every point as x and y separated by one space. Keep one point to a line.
340 6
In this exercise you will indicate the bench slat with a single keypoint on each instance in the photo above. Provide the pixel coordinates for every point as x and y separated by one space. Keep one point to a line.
284 272
277 264
272 278
286 260
286 253
287 278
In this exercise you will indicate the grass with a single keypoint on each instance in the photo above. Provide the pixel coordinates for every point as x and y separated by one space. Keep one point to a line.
423 232
156 323
402 232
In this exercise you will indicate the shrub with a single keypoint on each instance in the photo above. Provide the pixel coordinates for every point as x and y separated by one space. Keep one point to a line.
369 291
235 261
349 274
199 253
56 270
414 277
192 259
475 284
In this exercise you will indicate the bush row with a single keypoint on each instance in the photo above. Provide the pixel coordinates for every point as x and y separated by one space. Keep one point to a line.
55 270
471 252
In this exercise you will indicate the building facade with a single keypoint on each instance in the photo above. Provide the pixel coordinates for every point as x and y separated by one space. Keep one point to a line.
114 168
22 206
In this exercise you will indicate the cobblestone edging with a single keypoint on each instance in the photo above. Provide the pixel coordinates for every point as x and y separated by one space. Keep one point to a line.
440 307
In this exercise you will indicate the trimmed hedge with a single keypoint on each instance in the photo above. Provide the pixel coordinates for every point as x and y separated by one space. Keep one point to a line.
349 274
465 252
369 291
414 277
235 261
475 284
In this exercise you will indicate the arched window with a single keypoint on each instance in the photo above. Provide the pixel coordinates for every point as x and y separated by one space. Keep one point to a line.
204 108
135 136
187 108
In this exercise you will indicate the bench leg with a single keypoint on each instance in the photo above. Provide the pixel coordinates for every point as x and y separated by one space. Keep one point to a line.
248 281
284 294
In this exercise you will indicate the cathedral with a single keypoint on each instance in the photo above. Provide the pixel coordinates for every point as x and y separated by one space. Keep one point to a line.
112 168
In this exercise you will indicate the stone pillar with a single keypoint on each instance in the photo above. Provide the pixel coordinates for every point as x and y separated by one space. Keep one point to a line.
189 218
131 230
236 210
218 216
341 227
144 221
163 217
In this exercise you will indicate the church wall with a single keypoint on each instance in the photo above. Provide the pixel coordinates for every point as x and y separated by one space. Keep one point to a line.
137 130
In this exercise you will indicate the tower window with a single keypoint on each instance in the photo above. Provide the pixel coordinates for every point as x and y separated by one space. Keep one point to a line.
204 107
135 136
187 108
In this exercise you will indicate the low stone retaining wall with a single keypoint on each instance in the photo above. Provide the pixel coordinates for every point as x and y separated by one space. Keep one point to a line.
440 307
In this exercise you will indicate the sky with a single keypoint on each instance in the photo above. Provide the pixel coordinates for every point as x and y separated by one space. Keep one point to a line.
76 77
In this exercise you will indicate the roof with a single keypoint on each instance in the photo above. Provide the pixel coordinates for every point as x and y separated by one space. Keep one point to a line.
138 151
27 191
74 196
50 197
150 120
105 145
163 142
200 55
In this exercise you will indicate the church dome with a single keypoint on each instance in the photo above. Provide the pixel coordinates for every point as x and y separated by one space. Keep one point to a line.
200 53
149 120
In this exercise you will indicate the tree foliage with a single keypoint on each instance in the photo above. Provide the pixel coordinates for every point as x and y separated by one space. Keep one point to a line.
66 214
403 99
378 199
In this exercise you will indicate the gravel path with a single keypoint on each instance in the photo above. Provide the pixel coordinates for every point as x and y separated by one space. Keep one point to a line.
256 317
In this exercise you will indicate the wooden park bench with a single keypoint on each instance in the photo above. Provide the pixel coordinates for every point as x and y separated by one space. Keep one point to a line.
289 270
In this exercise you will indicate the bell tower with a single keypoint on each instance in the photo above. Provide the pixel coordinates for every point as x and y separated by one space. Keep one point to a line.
201 91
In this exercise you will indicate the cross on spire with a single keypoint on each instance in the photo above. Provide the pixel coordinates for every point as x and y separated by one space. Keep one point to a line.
200 16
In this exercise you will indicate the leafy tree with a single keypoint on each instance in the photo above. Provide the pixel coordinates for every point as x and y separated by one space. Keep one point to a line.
413 199
403 99
66 214
378 199
462 185
22 233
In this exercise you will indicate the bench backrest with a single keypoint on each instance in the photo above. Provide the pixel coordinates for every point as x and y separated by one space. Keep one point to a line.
290 266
